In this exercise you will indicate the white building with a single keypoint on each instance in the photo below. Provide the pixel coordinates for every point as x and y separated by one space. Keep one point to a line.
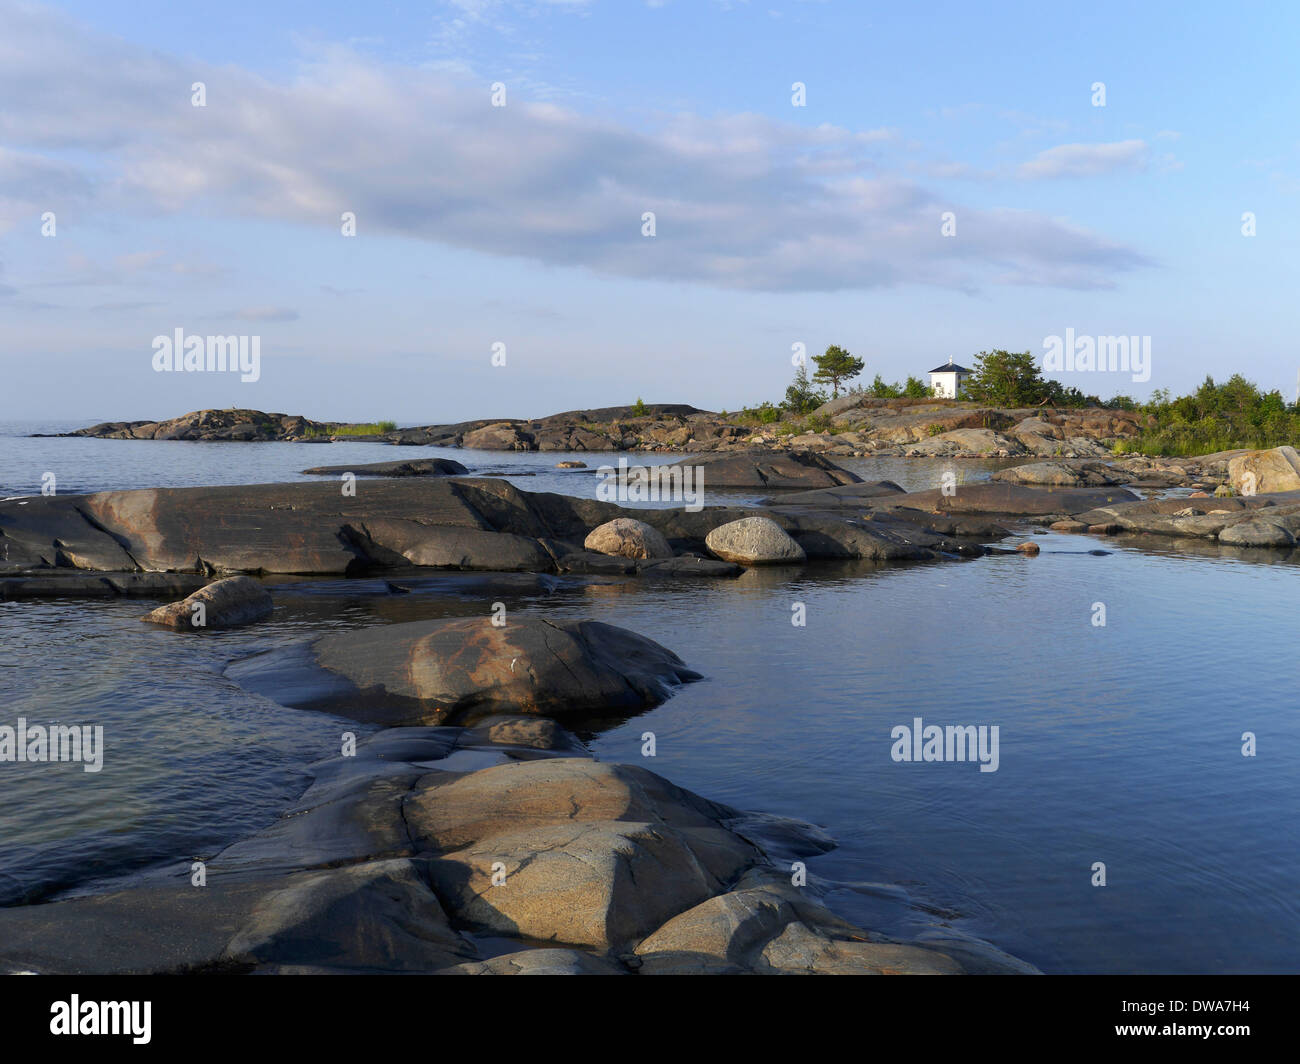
946 380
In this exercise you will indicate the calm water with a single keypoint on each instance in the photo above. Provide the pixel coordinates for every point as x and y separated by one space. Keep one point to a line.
1119 744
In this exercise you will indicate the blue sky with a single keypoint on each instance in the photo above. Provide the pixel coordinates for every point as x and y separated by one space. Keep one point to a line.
775 224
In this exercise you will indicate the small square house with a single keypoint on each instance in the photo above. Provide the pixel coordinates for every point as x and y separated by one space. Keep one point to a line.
945 381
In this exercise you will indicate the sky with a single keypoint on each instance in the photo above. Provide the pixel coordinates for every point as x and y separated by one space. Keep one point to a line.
911 182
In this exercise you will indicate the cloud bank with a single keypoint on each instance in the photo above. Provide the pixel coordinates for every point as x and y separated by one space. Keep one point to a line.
741 201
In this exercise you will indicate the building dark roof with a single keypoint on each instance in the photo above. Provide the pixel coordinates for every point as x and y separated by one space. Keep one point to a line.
951 367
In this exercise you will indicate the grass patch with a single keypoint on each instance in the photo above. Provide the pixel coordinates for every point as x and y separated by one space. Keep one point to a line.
373 428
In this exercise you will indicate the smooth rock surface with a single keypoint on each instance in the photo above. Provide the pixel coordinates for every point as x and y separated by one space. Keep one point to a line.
229 603
1263 472
754 541
626 537
451 671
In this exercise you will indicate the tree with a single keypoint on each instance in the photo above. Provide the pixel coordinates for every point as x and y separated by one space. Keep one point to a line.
836 366
881 389
801 397
1006 378
915 388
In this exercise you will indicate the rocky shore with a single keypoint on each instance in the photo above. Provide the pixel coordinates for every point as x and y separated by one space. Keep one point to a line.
409 523
497 846
473 833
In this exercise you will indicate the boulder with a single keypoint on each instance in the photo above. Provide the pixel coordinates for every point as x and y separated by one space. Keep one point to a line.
626 537
754 541
1261 472
229 603
451 671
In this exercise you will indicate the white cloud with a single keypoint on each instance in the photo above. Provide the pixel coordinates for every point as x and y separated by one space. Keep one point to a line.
1086 160
741 200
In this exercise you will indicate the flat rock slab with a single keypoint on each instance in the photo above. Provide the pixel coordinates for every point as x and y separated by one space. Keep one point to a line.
79 583
416 467
434 672
797 469
995 497
1264 521
842 495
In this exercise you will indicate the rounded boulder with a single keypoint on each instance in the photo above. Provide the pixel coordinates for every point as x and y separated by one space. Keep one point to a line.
625 537
754 541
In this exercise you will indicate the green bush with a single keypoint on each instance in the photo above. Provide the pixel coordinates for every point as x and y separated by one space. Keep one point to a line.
1216 417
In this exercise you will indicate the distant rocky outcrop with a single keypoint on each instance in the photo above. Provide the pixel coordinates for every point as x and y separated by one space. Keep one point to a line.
851 425
212 426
